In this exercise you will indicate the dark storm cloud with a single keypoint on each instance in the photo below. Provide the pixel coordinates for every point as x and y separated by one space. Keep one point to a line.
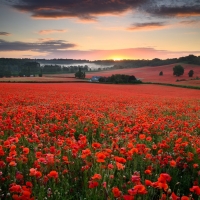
45 46
91 9
4 33
148 25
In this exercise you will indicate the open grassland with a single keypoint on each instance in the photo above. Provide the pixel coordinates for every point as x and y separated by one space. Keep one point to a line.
95 142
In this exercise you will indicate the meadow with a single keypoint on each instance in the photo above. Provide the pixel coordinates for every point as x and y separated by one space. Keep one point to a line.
83 141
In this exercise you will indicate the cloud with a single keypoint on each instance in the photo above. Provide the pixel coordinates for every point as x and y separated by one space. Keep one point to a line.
189 22
61 49
146 26
172 8
82 9
89 10
52 31
40 46
4 33
178 11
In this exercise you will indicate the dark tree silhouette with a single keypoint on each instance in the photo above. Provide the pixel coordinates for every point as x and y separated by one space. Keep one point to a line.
178 70
80 74
190 73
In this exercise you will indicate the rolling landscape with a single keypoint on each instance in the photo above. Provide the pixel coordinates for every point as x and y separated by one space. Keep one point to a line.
146 74
99 100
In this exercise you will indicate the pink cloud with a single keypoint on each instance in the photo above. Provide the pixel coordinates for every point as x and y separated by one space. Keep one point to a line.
147 26
49 31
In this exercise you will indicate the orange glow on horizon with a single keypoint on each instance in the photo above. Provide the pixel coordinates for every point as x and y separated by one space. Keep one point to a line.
118 58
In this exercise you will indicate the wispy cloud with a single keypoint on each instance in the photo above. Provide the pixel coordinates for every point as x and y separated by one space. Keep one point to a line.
189 22
4 33
49 31
39 46
146 26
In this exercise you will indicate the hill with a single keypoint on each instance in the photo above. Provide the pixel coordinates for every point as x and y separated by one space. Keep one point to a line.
151 74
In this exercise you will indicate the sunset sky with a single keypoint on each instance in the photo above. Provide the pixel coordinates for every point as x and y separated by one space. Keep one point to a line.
99 29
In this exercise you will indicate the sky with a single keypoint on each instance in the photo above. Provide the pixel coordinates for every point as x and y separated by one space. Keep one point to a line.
99 29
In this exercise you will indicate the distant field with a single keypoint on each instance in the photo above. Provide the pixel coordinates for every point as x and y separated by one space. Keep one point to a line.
44 79
151 74
146 74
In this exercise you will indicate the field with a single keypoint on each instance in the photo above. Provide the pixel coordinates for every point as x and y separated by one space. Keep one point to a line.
81 141
146 74
64 78
151 74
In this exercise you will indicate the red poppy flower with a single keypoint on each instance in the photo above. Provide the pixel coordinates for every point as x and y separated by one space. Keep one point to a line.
116 192
93 184
53 174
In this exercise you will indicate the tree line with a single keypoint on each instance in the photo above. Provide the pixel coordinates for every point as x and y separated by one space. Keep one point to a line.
191 59
29 67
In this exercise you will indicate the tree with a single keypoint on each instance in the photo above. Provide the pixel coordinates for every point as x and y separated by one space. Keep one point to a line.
161 73
7 73
1 71
80 74
178 70
190 73
40 74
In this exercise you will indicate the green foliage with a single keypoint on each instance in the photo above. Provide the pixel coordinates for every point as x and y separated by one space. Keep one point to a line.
190 73
51 68
178 70
7 73
40 74
29 68
1 72
80 74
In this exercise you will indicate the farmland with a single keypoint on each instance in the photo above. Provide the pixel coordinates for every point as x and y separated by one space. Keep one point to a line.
151 74
146 74
95 141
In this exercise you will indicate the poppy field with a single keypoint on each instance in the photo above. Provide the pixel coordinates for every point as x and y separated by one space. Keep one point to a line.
99 142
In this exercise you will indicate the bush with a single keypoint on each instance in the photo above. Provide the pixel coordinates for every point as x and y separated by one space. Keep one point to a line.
102 79
161 73
120 78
